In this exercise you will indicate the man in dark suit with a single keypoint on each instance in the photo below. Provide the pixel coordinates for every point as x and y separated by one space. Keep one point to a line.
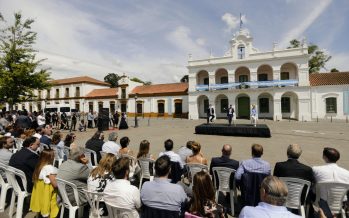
224 160
230 114
26 160
210 114
292 167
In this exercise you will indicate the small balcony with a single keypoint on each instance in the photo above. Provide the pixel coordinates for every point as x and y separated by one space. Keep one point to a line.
247 85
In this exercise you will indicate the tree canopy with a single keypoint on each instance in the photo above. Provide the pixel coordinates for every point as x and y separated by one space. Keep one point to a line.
19 73
112 79
185 79
318 57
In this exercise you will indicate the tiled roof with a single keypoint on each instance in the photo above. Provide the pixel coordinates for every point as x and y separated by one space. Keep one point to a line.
81 79
108 92
161 89
324 79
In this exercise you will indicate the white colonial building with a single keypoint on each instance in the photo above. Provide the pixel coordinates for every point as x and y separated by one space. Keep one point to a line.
276 81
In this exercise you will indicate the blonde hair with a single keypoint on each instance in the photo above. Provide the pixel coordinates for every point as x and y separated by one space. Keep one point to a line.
105 166
195 147
46 158
275 190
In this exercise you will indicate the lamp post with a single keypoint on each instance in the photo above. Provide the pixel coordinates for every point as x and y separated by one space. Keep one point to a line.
136 121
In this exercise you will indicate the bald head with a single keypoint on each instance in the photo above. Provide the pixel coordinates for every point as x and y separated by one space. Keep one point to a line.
226 150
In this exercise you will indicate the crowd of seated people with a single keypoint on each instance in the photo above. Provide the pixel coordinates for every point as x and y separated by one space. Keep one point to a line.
262 195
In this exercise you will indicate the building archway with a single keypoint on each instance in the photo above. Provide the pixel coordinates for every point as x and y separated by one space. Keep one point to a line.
202 78
221 76
289 106
265 73
221 105
202 103
243 106
289 71
242 74
265 106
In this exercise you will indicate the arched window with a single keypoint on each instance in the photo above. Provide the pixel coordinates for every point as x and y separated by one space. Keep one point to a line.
331 105
241 52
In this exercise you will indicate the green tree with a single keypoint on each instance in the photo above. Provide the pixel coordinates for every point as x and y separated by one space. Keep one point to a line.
318 57
19 75
185 79
334 70
112 79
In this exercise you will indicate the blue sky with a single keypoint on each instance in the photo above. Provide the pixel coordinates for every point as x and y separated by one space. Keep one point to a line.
151 39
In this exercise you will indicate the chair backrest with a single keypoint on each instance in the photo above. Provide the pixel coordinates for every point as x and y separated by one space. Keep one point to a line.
295 188
119 212
89 154
18 143
66 151
62 188
11 174
335 192
44 146
133 161
3 167
221 178
250 185
144 163
102 153
93 199
194 168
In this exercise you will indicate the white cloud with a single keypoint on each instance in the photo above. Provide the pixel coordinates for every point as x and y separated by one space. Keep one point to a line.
180 37
339 61
201 41
231 21
305 23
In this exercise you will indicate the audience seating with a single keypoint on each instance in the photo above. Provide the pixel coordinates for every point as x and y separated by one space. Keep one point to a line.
5 186
221 178
119 212
62 188
145 164
295 188
44 146
249 185
335 193
11 174
102 153
92 156
18 143
193 168
93 199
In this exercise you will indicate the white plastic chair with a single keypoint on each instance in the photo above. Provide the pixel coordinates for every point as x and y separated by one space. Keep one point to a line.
333 193
18 143
295 188
119 212
62 185
145 163
93 199
194 168
102 153
223 183
11 174
89 153
44 146
5 186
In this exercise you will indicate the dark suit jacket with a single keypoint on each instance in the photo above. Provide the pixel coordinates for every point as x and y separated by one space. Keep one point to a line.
293 168
46 140
224 161
95 145
23 122
26 161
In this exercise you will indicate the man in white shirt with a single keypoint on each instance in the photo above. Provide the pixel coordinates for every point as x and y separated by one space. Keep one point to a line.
41 120
111 146
330 172
168 151
119 192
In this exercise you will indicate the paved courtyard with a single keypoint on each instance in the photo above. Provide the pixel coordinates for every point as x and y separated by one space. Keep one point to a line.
312 136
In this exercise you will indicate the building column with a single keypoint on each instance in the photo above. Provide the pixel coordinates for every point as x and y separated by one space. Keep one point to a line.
277 109
276 74
193 108
231 76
